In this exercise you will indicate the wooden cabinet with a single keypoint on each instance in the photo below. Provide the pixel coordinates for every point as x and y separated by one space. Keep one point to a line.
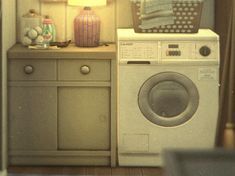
62 107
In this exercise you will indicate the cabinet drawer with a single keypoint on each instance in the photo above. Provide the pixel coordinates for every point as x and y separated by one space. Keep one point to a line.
32 69
84 70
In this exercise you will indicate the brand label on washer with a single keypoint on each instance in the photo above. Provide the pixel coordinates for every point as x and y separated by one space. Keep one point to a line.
207 73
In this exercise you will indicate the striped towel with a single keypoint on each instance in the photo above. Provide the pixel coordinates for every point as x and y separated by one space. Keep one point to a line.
151 6
155 13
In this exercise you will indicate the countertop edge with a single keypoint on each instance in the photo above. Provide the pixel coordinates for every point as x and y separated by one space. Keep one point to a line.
72 52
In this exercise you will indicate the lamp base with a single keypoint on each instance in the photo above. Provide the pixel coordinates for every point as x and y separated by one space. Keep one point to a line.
87 29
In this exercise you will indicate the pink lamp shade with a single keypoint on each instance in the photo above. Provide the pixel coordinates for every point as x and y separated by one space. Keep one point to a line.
87 23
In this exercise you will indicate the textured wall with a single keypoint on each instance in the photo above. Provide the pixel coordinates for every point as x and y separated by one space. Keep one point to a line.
116 14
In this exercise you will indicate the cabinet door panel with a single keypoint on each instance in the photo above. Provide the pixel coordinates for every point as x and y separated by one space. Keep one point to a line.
84 118
32 118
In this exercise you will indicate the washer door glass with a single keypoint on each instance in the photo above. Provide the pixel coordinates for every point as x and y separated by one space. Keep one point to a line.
168 99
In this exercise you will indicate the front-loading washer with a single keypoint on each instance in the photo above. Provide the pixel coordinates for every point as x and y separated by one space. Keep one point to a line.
167 94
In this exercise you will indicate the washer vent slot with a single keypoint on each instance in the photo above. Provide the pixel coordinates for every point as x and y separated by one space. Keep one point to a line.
138 62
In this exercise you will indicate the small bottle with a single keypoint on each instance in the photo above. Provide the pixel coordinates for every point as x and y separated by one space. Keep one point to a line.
48 31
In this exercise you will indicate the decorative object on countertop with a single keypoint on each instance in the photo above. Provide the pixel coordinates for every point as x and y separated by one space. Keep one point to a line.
48 31
166 16
43 47
31 30
87 23
60 44
52 45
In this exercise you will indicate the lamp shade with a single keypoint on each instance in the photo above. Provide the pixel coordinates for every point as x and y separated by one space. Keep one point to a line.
87 3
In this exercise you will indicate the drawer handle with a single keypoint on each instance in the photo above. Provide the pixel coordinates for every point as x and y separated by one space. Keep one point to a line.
85 69
28 69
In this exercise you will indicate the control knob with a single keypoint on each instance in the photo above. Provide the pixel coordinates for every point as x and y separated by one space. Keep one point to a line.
205 51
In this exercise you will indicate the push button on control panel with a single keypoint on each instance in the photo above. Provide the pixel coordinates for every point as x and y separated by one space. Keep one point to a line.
174 53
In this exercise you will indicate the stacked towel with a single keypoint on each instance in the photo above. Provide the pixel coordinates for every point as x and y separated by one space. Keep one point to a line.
155 13
156 5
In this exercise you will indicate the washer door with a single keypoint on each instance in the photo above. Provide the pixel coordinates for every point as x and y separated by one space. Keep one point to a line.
168 99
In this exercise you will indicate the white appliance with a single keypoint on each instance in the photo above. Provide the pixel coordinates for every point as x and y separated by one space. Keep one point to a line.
167 94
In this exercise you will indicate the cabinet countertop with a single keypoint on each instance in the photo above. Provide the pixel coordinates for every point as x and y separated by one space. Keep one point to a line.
71 52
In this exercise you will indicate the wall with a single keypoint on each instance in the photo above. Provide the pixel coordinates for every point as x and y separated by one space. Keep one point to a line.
116 14
222 23
63 16
8 39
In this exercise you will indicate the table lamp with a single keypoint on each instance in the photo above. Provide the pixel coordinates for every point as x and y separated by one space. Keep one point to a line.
87 23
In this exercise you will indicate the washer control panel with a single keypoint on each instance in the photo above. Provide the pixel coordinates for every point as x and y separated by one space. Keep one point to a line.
172 51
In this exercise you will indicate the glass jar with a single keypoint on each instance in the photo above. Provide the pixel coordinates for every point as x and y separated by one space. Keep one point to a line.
31 28
48 31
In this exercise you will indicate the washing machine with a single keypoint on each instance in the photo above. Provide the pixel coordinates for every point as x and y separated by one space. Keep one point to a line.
168 89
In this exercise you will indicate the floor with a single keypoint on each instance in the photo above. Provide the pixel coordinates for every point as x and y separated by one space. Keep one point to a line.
91 171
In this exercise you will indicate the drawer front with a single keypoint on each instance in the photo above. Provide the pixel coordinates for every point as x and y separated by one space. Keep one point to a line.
27 70
84 70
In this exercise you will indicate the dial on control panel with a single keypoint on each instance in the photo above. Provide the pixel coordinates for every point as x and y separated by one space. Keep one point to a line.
205 51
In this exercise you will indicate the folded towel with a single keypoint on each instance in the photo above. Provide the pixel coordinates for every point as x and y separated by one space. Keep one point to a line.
156 22
156 2
151 9
155 5
155 13
160 13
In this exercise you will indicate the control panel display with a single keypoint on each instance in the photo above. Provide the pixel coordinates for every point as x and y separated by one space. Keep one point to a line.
173 46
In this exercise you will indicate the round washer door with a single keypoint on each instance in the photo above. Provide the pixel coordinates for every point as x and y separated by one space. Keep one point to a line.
168 99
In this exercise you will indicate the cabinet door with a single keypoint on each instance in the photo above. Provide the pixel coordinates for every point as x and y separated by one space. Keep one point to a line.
84 118
32 118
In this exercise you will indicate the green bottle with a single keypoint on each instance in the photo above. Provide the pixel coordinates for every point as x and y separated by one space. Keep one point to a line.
48 31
